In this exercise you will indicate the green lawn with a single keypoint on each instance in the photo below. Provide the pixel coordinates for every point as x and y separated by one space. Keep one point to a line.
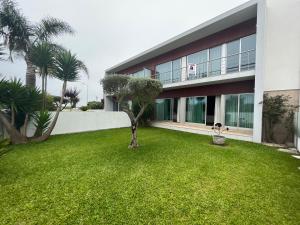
174 178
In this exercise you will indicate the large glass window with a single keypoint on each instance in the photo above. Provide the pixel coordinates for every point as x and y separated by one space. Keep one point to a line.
195 109
201 61
163 109
163 72
215 60
138 73
248 45
142 73
176 70
233 55
246 110
239 110
231 110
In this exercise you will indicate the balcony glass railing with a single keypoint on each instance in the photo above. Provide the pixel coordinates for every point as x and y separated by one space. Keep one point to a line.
230 64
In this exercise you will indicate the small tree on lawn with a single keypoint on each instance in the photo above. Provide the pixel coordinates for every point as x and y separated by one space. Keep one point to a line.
143 91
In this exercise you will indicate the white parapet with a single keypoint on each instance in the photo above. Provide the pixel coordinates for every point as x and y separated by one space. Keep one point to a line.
77 121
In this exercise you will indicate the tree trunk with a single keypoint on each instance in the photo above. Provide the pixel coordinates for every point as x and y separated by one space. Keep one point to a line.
12 119
46 135
134 142
45 100
30 73
24 130
15 136
43 92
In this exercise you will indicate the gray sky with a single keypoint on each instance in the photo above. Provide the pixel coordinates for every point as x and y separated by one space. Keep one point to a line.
110 31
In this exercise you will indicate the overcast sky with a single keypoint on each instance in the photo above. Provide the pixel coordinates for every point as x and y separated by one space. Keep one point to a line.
110 31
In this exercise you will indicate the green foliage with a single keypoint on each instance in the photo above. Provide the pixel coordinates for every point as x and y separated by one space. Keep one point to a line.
84 108
72 95
277 110
67 67
147 115
4 143
175 178
41 122
16 96
56 100
123 87
116 85
144 90
20 35
95 105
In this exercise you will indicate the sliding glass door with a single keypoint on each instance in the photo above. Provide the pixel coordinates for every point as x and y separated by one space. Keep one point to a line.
163 109
239 110
231 110
246 109
196 109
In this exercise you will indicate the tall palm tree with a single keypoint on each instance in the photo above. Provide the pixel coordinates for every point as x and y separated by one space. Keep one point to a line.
67 68
42 56
16 97
20 35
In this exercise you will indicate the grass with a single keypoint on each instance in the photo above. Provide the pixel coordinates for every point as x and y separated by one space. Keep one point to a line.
174 178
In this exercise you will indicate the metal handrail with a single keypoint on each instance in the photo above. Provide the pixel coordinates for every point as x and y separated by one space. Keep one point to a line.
240 63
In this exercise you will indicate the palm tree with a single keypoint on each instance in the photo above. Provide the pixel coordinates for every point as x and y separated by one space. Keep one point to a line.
42 56
20 35
15 98
73 96
67 69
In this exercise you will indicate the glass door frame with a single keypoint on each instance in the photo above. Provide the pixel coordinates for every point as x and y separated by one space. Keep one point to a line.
238 112
205 113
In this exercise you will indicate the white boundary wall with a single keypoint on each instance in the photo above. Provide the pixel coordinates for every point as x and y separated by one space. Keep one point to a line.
77 121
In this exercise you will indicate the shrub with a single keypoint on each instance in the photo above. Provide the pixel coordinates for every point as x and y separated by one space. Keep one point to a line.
42 121
84 108
95 105
144 120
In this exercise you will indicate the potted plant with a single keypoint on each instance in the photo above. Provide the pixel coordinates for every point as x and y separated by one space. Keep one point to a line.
218 139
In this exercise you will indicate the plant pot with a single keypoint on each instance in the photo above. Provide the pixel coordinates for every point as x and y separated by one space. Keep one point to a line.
218 140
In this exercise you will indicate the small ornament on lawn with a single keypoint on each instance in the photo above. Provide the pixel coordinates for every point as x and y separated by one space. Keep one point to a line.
218 139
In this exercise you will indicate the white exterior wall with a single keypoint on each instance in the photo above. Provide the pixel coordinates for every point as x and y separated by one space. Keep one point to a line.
75 122
282 45
108 103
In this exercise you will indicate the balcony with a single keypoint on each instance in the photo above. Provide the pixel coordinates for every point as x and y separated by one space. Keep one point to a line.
240 65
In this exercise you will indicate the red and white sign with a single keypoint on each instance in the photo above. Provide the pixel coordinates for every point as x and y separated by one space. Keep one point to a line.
192 69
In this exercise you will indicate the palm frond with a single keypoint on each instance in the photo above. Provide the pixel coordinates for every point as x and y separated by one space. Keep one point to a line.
68 67
50 27
14 27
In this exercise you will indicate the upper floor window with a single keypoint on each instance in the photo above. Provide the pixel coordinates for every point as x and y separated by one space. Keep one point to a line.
241 54
248 45
215 55
200 60
142 73
169 72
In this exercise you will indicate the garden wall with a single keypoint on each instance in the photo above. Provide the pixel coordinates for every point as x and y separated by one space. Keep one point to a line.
78 121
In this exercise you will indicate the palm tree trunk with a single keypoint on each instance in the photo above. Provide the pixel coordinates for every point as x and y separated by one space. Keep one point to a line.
15 136
43 91
12 119
30 73
45 97
46 135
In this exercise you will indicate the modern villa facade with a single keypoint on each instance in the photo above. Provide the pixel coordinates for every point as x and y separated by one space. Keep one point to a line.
220 70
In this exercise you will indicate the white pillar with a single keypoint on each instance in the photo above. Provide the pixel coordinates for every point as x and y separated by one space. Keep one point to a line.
182 111
217 117
259 72
184 68
222 110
